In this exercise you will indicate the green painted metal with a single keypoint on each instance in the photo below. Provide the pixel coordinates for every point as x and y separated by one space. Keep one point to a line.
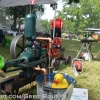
30 26
32 56
29 58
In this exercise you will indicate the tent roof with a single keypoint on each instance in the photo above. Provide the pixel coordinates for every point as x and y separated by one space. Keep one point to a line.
92 29
12 3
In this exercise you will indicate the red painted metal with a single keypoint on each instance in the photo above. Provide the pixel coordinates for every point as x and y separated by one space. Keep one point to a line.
78 65
57 42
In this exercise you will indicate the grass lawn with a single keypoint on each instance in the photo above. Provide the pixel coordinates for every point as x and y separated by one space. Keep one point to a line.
89 78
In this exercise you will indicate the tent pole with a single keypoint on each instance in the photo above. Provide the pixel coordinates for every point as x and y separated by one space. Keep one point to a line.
30 8
54 20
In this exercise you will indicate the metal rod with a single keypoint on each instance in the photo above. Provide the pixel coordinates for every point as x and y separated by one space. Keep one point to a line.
54 21
30 8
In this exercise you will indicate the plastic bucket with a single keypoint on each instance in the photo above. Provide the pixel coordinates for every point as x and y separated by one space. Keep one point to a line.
45 92
7 42
1 62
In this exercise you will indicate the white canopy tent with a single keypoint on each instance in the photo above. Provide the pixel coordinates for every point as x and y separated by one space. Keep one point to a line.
13 3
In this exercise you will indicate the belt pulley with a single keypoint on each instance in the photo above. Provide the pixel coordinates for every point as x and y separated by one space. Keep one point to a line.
17 46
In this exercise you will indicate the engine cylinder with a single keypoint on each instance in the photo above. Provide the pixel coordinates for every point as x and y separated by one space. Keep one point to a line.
30 26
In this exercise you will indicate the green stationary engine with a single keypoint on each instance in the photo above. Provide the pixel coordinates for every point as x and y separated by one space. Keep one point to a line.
32 56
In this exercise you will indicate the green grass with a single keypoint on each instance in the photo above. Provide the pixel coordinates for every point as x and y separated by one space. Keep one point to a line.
89 78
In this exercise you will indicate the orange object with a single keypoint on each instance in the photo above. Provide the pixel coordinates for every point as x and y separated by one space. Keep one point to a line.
0 71
44 72
52 48
57 43
94 36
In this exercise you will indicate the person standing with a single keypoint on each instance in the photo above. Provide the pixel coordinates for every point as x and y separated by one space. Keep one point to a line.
58 27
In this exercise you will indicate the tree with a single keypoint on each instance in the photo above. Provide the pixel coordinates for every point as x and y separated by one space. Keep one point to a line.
78 16
75 1
42 26
3 19
20 11
16 13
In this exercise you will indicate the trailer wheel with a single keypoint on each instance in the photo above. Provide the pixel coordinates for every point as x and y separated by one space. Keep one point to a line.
68 60
56 64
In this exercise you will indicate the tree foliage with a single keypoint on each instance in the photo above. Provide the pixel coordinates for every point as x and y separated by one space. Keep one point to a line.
78 16
3 19
75 1
16 13
42 26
